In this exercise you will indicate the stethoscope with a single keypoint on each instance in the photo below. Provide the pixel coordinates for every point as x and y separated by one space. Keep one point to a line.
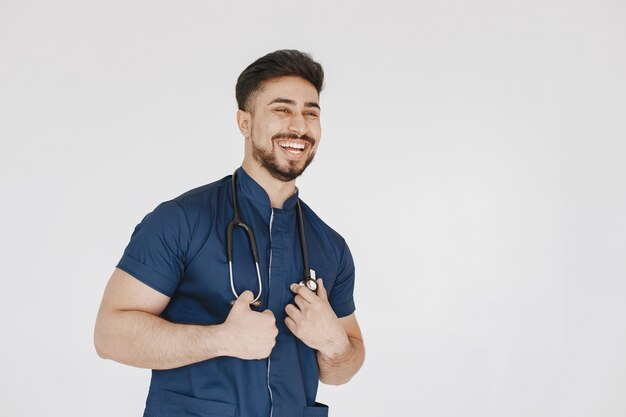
309 274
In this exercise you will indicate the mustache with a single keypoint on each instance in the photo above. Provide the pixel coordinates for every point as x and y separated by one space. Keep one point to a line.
304 137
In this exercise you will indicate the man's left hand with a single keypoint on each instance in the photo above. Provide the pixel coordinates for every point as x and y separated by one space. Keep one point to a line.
313 321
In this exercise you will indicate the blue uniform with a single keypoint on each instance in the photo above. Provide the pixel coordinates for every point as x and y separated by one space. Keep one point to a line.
180 250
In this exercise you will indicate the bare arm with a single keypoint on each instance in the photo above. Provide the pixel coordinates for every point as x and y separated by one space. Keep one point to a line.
338 341
129 329
340 366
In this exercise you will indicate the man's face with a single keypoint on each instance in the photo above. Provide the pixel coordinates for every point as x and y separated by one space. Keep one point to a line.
284 126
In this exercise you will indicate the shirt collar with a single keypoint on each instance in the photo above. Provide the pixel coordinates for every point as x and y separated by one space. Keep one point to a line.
248 187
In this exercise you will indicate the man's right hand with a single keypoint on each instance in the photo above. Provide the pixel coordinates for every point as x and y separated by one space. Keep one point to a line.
250 335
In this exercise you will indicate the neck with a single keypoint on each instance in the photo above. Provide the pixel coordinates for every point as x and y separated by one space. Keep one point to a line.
277 190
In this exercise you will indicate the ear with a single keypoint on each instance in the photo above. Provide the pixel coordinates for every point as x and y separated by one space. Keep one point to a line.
243 122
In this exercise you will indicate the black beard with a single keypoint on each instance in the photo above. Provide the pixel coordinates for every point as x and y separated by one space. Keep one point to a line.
269 162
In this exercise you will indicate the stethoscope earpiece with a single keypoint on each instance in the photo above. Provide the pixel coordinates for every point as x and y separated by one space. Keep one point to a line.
253 304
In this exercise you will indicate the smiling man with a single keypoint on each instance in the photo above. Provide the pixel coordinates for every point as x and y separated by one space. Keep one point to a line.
217 290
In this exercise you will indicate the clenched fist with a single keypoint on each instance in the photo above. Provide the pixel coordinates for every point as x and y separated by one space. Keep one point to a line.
250 334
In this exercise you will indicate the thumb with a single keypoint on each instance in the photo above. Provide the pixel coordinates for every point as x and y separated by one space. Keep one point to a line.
321 290
244 300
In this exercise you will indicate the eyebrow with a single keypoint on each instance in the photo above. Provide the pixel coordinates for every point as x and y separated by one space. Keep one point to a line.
293 103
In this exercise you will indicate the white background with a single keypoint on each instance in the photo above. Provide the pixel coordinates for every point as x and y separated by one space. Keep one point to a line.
473 156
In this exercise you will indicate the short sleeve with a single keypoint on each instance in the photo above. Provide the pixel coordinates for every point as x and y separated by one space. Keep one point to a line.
341 297
157 249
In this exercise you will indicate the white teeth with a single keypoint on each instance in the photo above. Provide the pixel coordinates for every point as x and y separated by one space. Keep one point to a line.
292 145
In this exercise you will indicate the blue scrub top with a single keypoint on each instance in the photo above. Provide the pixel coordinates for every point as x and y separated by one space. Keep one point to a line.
179 249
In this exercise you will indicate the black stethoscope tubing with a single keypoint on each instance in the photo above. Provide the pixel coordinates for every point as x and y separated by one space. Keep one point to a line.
309 274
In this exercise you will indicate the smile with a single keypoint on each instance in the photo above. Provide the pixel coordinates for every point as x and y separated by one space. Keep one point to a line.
295 148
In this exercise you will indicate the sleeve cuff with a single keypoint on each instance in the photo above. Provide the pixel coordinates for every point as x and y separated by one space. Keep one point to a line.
147 275
344 309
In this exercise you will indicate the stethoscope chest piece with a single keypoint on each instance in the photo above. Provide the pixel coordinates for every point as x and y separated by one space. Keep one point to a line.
310 281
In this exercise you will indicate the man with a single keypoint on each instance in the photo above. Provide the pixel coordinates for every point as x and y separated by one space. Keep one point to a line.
173 305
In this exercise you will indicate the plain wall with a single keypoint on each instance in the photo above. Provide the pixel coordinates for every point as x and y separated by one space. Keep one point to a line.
472 155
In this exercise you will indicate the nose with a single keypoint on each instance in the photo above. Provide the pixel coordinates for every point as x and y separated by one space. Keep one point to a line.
297 124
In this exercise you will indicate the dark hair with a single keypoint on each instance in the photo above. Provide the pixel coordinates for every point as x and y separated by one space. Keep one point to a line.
285 62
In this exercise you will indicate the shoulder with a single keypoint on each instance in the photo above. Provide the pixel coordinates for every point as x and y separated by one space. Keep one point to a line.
202 194
194 205
203 198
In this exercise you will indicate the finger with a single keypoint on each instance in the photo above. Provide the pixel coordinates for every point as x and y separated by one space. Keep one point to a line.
269 312
304 292
244 300
291 325
321 290
293 312
300 301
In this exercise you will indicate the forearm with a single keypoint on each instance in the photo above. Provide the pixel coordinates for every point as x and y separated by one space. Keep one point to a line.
144 340
338 368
